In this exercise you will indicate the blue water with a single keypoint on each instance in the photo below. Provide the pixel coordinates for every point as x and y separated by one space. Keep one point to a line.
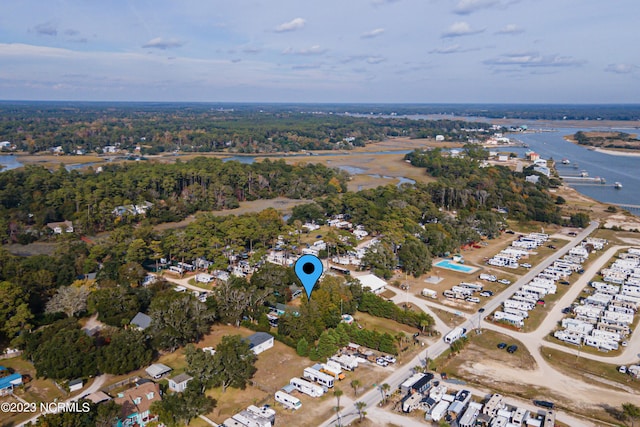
9 162
453 266
625 170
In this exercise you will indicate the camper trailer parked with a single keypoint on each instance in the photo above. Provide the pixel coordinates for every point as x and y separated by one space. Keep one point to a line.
287 400
455 334
306 387
319 377
429 293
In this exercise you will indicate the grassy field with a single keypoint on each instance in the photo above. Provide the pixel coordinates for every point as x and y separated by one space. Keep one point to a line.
281 204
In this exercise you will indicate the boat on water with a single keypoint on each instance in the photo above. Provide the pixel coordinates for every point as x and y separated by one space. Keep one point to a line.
584 174
617 185
566 161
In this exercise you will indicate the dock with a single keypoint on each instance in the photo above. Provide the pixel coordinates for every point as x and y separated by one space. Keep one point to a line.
585 179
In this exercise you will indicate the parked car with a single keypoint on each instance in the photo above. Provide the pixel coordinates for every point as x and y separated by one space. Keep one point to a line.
540 301
381 362
502 345
624 343
512 348
622 369
566 310
504 281
481 310
486 293
390 359
525 265
551 247
564 282
543 403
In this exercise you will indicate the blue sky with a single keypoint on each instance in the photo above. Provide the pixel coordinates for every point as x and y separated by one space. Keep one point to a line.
523 51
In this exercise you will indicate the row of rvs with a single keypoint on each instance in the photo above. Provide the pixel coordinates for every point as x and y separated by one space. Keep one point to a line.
603 319
319 378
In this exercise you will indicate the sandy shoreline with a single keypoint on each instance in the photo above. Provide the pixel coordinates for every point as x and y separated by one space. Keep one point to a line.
617 153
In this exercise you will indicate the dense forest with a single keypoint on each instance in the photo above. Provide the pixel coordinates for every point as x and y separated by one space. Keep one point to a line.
155 128
33 196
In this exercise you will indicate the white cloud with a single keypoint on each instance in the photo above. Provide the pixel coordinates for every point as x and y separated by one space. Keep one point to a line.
160 43
621 68
375 59
466 7
510 29
293 25
462 28
454 48
373 33
313 50
534 59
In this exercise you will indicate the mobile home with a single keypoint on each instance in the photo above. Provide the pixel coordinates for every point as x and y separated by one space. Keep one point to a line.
287 400
306 387
319 377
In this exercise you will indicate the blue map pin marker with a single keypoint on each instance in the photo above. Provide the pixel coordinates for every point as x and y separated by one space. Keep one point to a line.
308 268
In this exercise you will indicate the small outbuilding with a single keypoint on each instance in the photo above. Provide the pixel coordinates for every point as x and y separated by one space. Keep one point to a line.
260 341
75 385
179 383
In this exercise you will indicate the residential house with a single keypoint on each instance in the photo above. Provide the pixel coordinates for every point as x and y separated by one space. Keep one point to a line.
8 381
136 404
260 341
61 227
141 321
179 383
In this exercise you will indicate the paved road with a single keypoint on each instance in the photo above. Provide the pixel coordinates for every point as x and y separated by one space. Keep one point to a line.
96 385
373 397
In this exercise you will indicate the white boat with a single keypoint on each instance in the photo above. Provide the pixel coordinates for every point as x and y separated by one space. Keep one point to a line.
565 161
617 185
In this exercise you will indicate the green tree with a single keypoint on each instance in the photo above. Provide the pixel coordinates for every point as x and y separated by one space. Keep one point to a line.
579 219
177 319
302 348
178 409
355 383
337 393
127 351
631 412
360 408
234 363
384 389
380 258
67 354
201 365
15 315
415 257
138 251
